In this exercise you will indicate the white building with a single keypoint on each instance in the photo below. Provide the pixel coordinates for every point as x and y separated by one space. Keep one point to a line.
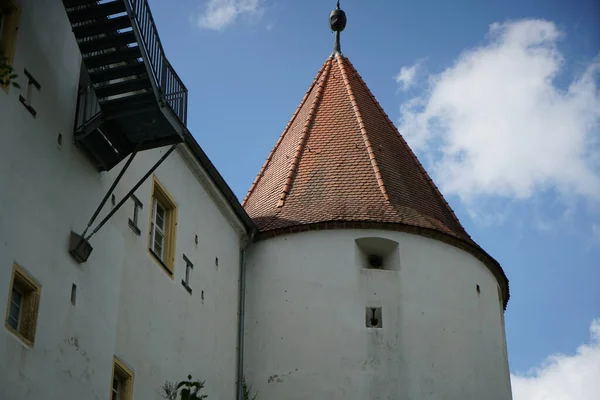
344 275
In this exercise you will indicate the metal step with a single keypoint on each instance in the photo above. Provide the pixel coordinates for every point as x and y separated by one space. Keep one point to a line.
76 3
117 40
96 11
101 149
104 26
103 75
131 85
130 104
112 57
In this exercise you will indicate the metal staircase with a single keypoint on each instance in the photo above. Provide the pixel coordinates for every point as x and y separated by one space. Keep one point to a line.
130 96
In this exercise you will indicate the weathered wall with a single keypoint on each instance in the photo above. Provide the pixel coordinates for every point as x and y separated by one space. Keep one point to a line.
306 336
126 304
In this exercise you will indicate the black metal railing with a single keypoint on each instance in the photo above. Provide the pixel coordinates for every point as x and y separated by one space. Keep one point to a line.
88 107
164 77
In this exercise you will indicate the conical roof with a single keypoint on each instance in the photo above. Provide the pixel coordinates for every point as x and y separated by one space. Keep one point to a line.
341 159
341 162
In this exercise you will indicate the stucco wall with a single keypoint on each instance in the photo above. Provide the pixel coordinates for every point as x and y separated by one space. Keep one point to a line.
305 331
126 304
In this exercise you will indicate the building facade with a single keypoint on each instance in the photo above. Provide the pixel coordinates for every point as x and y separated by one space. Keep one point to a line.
343 274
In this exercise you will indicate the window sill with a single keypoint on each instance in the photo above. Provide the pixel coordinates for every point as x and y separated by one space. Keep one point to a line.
185 285
162 263
25 342
134 228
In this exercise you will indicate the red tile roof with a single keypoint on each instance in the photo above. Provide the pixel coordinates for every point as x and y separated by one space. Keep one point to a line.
341 159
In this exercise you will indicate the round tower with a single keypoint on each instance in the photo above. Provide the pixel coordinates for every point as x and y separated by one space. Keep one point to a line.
362 283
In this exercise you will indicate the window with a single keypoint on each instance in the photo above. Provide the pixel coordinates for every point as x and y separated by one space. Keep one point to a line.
23 304
378 253
9 18
188 272
163 224
122 382
133 222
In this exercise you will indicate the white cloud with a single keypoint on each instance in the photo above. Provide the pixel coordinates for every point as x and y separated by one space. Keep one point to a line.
407 76
218 14
496 124
564 377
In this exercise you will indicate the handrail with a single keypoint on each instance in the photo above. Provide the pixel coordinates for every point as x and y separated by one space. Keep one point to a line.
88 107
164 77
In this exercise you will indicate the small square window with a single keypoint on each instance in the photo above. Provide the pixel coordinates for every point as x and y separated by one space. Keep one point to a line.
23 305
122 382
373 317
163 223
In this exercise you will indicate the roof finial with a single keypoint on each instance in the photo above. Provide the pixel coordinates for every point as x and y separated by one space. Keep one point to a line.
337 22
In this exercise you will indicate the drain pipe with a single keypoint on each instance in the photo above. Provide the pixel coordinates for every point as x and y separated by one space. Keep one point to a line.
242 304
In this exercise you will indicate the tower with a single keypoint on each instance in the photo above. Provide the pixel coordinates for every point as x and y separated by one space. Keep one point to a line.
363 284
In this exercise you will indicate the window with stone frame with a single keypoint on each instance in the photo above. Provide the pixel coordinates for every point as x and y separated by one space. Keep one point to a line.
9 20
163 225
122 382
23 305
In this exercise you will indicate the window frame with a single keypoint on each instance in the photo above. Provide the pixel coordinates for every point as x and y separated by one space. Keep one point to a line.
161 197
30 291
125 377
18 318
9 31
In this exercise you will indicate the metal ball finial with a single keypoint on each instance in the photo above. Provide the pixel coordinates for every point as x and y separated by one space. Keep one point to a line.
337 22
337 19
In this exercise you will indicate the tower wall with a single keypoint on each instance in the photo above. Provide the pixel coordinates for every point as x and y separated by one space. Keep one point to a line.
306 334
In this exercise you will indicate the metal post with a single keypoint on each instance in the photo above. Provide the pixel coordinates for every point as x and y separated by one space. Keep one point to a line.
128 195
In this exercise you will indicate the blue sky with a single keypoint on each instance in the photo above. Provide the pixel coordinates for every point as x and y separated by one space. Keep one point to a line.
498 99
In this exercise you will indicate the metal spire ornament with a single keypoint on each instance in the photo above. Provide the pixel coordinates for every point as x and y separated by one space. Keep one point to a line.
337 22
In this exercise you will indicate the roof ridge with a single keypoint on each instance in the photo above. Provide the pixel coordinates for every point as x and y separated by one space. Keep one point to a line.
291 121
305 130
361 124
410 152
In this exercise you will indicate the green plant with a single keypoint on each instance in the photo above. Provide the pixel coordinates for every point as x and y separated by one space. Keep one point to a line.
184 390
246 391
7 73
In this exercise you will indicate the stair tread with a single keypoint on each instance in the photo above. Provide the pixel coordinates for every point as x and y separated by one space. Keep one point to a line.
104 26
113 57
132 100
126 86
118 40
95 11
133 69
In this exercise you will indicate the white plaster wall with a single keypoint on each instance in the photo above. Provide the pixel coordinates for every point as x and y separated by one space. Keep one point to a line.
165 333
305 334
126 305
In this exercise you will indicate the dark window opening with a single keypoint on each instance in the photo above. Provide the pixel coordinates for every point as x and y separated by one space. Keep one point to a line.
373 317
